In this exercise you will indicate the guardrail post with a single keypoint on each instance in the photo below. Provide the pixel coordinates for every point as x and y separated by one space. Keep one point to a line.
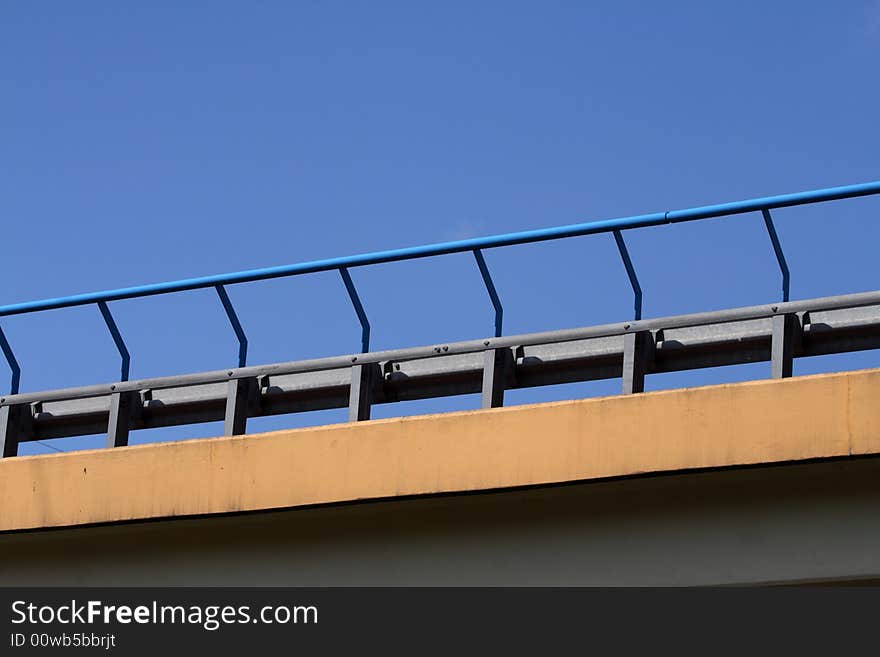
785 333
119 418
497 363
360 398
238 393
10 429
638 352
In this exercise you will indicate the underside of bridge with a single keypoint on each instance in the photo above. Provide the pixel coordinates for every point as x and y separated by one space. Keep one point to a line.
767 481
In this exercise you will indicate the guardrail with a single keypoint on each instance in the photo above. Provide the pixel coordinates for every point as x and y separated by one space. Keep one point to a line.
475 245
778 333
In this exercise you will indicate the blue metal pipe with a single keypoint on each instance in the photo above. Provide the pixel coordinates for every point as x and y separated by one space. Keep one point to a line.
772 202
524 237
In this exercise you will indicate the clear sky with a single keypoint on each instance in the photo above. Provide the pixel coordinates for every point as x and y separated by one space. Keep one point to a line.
144 142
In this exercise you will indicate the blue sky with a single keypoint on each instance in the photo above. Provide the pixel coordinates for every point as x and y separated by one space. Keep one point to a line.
158 141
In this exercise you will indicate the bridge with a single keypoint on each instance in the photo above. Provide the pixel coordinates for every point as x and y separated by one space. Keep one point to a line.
766 481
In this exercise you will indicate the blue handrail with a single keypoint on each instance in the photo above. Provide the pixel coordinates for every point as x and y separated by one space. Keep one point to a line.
474 245
443 248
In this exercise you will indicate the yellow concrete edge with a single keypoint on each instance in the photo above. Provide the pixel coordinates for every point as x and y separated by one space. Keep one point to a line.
767 421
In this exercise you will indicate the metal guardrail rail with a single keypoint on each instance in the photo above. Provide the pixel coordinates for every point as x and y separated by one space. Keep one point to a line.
491 366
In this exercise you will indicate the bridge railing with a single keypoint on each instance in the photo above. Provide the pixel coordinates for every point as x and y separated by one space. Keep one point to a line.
476 246
778 332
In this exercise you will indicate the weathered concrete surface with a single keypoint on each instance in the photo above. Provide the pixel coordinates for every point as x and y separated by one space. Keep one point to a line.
836 415
787 523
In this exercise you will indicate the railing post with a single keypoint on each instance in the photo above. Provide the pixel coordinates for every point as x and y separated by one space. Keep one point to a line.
364 379
493 386
631 274
497 366
785 333
119 418
358 309
493 293
13 364
238 395
117 340
236 325
638 352
10 430
780 256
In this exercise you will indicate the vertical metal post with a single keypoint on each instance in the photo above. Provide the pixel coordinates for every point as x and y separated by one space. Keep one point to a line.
495 366
119 419
13 364
10 430
236 325
631 273
784 335
493 293
495 361
117 339
237 399
360 397
638 352
358 309
777 249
